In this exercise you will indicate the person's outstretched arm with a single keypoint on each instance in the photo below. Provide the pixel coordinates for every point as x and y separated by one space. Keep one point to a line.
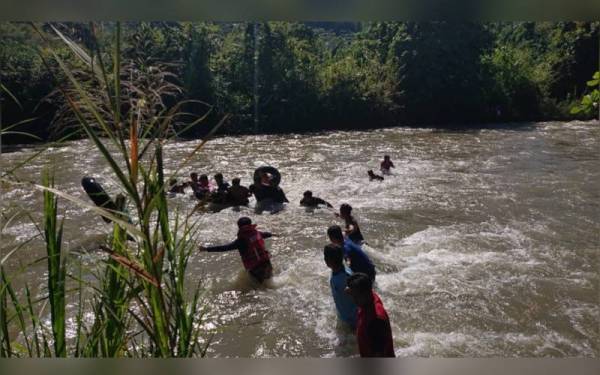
266 234
214 249
322 201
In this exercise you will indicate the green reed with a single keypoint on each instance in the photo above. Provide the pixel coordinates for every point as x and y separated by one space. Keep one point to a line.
142 302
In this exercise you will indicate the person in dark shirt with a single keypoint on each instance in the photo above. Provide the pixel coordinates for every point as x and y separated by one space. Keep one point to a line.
220 194
373 176
386 164
201 187
222 185
193 183
251 245
238 195
373 329
359 261
174 188
310 201
352 229
266 190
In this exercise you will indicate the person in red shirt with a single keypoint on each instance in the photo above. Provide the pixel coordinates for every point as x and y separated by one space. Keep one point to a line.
373 330
251 245
386 164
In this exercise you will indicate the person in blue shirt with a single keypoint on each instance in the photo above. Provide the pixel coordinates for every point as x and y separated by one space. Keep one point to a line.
345 306
359 261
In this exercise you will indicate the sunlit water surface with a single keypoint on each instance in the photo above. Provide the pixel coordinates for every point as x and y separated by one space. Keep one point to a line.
486 242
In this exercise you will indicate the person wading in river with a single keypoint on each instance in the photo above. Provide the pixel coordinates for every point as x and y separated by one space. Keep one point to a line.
386 164
373 330
359 261
266 190
352 228
345 306
238 195
251 245
313 202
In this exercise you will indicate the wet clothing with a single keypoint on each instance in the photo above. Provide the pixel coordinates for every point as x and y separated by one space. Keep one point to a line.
373 330
250 244
223 187
356 236
346 309
386 165
201 191
177 189
313 202
359 261
238 195
375 177
202 194
262 192
262 271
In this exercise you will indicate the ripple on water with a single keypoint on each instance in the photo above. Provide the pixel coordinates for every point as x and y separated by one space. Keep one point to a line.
483 241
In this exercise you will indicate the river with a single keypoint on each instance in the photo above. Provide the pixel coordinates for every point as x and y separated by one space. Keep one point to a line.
486 241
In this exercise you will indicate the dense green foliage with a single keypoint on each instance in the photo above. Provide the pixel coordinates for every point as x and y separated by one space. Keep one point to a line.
142 302
312 76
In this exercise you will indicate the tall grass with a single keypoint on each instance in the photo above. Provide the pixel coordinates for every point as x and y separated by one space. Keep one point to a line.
142 302
57 274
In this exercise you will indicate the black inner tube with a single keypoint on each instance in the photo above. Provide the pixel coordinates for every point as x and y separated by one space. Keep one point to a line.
98 195
267 169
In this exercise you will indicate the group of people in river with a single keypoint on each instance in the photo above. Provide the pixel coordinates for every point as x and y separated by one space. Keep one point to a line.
221 194
352 272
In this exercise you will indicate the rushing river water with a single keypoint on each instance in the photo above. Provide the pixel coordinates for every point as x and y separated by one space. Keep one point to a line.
486 242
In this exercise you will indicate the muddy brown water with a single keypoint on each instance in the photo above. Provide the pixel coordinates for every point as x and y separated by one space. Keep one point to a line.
486 241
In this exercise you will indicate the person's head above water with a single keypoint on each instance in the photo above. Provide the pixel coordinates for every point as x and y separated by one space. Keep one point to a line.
370 172
204 179
219 177
308 194
243 221
194 176
235 182
386 157
359 286
345 209
335 234
265 179
334 257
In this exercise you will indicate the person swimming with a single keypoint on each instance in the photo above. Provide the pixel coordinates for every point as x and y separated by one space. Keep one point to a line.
251 245
386 164
174 188
238 195
313 202
352 229
373 176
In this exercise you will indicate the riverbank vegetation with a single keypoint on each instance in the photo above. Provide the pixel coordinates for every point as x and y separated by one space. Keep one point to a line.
293 77
136 300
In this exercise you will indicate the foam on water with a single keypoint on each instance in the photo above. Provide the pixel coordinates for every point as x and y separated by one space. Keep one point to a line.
484 242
